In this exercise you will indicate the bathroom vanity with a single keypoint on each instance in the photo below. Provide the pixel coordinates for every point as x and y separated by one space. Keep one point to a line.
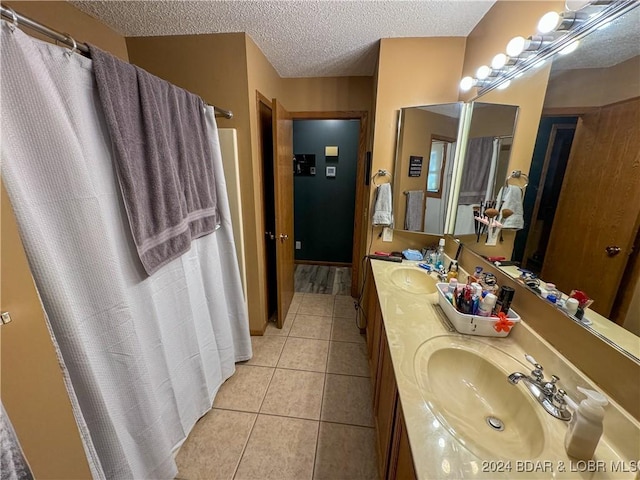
443 407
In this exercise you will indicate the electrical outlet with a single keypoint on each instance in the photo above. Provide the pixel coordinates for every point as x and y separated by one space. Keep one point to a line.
387 234
298 245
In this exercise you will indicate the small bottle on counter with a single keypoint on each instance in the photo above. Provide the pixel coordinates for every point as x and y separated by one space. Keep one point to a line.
571 306
453 271
487 304
439 263
586 425
503 303
552 292
475 276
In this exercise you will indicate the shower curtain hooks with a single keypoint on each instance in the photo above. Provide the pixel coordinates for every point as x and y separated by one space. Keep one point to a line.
75 45
14 24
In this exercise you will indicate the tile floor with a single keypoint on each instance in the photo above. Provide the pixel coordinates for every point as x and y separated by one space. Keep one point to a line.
299 409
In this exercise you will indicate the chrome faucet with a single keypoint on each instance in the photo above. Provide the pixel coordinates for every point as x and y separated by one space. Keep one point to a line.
441 274
545 392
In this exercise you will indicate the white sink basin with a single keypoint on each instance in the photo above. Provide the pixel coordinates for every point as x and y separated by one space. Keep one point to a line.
413 280
464 383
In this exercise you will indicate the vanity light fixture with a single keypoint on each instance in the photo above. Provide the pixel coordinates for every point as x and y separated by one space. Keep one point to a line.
483 72
504 85
561 22
570 48
560 34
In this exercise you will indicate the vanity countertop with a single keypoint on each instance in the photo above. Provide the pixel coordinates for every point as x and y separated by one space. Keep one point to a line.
411 319
602 325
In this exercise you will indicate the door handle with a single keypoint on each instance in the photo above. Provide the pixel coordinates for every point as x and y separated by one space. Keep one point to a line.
612 250
270 235
283 237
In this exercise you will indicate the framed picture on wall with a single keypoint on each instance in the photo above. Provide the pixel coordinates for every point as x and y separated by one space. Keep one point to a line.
415 166
331 172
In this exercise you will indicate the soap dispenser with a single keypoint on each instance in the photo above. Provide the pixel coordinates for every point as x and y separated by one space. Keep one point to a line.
585 427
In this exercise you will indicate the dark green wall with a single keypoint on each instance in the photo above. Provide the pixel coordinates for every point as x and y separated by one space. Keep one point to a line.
324 207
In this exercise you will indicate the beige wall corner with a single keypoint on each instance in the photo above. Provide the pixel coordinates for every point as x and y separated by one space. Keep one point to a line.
64 17
411 72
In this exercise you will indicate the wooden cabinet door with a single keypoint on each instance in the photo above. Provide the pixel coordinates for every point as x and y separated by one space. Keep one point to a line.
401 461
385 399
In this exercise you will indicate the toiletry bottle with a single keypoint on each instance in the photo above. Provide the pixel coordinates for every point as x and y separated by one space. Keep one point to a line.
440 254
475 277
571 306
503 303
487 304
585 427
453 271
552 293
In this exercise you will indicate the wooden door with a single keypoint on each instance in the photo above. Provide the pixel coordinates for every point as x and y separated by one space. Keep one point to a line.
598 206
283 179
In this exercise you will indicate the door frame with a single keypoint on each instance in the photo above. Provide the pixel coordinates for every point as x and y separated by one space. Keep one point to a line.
358 216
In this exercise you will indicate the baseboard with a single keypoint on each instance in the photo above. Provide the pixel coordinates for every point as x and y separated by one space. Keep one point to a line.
328 264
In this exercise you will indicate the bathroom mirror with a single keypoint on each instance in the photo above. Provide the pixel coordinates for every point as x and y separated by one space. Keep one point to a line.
426 148
484 163
582 201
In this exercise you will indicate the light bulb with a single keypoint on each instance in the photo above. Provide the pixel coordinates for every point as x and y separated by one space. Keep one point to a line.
569 48
548 22
516 46
466 83
504 85
499 61
483 72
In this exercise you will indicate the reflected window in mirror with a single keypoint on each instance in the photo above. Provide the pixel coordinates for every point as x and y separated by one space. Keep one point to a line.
441 148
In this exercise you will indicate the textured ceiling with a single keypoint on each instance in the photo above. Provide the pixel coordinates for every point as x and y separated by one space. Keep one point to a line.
617 42
301 38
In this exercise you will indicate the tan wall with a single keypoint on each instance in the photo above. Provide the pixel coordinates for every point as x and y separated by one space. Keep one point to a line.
64 17
594 87
411 71
415 139
492 120
33 391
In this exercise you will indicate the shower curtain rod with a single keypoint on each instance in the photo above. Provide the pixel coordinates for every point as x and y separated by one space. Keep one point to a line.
18 19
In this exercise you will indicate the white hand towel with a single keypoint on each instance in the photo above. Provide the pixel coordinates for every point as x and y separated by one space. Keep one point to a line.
383 208
510 197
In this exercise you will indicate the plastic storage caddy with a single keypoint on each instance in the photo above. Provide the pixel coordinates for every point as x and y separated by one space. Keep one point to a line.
475 324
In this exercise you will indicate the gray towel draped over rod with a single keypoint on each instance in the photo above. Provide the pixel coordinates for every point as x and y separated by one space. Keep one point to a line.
18 19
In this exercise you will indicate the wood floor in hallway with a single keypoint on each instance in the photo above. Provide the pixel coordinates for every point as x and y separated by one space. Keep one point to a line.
323 279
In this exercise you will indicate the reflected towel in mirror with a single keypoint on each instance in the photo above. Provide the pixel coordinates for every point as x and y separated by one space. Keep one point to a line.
510 197
383 207
413 214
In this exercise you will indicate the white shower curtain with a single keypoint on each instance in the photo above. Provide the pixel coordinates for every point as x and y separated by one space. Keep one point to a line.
145 355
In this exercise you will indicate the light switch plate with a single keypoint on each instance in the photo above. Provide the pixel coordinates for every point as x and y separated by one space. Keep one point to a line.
298 245
387 234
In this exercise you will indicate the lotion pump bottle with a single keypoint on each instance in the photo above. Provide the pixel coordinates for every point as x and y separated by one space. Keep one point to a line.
585 427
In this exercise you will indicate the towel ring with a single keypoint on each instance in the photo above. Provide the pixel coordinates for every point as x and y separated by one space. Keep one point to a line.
518 174
74 49
381 173
14 24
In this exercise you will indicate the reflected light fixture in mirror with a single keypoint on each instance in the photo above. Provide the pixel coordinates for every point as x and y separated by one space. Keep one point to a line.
585 92
558 32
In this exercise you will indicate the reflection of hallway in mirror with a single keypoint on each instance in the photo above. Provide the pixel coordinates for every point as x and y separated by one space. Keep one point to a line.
548 165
